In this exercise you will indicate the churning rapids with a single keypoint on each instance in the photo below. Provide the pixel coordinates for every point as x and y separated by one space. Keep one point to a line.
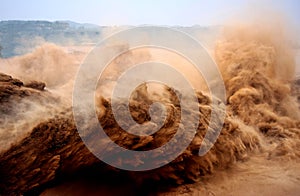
257 152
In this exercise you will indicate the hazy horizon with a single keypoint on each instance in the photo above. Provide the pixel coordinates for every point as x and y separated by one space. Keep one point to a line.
182 13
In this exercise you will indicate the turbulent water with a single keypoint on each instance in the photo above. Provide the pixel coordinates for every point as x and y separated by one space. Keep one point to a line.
258 151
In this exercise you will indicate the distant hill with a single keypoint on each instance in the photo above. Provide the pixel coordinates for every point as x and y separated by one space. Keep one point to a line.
17 37
81 25
20 37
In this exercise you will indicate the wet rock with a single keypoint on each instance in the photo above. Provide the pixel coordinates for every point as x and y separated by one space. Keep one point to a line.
36 85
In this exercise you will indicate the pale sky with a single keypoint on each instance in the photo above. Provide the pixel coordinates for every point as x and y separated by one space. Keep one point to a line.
137 12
